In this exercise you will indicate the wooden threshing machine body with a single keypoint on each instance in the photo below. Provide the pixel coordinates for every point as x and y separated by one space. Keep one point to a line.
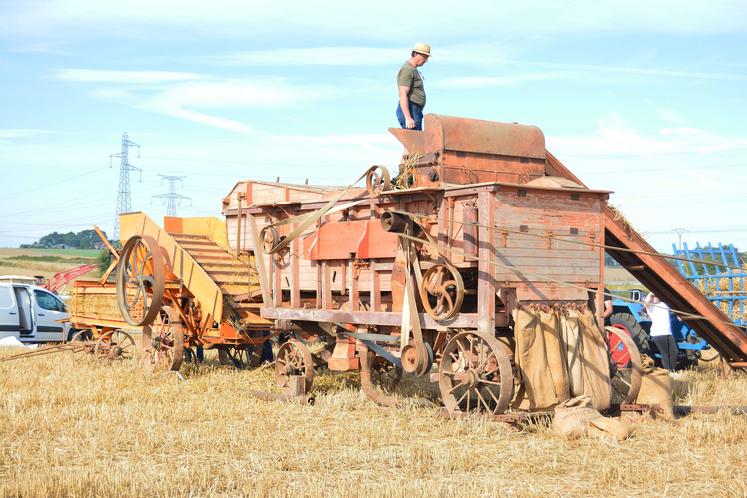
472 231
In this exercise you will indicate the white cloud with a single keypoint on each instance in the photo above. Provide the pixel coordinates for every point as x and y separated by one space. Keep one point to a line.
11 134
374 20
174 110
491 81
179 94
265 93
314 56
482 54
123 77
593 68
670 116
615 136
180 100
40 48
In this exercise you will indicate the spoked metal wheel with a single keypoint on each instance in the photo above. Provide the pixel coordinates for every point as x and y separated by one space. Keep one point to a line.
116 345
625 366
293 358
82 345
163 341
141 279
442 292
475 375
241 356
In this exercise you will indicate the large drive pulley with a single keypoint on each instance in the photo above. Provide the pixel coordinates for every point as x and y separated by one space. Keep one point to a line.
442 292
141 279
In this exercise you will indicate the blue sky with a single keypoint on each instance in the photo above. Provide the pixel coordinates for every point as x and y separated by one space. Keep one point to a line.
646 99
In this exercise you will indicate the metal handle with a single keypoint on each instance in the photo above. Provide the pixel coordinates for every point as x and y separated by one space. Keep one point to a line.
40 314
11 312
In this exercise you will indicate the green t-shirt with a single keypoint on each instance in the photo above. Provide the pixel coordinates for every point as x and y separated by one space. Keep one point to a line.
410 77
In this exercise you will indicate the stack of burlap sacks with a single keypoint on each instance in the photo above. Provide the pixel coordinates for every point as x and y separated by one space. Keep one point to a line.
563 362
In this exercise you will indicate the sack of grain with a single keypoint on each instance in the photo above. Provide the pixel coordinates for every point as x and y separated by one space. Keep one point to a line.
575 418
540 359
656 389
604 426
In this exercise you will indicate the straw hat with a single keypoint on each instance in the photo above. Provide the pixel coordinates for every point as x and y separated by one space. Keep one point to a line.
422 48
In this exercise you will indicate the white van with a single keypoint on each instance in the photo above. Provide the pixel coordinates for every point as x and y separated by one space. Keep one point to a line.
31 313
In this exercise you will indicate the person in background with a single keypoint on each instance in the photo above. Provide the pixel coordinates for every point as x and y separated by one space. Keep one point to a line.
607 307
661 331
411 89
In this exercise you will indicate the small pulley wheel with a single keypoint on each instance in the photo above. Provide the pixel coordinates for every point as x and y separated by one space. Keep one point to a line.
378 180
269 238
141 279
413 364
442 292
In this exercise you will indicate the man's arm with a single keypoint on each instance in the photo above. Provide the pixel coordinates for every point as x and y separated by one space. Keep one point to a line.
404 104
647 301
607 307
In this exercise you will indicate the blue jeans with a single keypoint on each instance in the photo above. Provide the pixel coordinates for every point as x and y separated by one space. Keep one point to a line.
417 115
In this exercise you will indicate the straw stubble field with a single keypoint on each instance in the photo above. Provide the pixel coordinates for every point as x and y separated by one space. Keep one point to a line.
80 429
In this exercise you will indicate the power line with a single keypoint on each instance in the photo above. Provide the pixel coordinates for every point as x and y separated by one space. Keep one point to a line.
656 154
123 192
242 163
676 168
171 198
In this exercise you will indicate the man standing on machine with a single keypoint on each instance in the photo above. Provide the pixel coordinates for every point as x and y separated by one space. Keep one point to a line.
411 89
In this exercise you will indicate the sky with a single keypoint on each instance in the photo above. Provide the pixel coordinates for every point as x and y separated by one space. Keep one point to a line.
643 98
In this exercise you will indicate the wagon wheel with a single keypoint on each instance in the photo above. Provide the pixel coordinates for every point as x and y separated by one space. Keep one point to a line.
293 358
163 341
442 292
82 344
241 356
140 280
378 180
475 374
625 366
116 345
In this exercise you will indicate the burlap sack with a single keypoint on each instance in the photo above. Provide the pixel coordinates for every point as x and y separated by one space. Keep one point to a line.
595 362
605 426
656 389
555 352
575 418
540 360
572 417
573 352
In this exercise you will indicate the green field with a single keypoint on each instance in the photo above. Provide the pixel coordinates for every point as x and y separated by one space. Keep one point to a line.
45 262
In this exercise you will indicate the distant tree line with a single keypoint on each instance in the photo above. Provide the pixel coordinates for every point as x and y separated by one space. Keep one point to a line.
85 239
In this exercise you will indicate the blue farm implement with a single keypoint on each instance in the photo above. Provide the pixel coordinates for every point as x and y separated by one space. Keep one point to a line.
721 277
718 272
629 314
